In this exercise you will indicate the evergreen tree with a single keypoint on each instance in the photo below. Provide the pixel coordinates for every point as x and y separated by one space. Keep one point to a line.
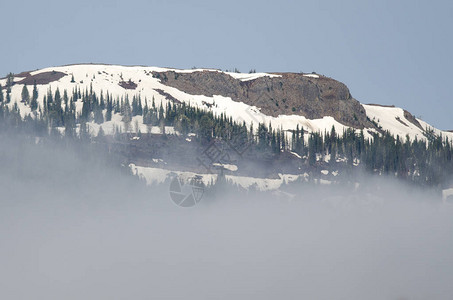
145 114
25 95
33 103
101 101
262 136
65 98
312 150
9 84
205 132
127 114
49 99
161 112
35 92
98 115
108 113
8 94
57 99
274 147
284 142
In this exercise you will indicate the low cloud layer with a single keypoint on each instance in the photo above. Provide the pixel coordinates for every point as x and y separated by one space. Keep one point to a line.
72 227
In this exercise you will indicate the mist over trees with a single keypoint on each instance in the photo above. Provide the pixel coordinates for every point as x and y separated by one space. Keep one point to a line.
426 162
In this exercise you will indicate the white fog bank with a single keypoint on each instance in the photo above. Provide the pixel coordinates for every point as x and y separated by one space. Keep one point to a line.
72 228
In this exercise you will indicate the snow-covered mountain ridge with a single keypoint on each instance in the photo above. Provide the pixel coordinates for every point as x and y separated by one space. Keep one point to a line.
149 83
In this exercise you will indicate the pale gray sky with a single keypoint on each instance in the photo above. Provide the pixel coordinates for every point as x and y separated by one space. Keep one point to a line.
389 52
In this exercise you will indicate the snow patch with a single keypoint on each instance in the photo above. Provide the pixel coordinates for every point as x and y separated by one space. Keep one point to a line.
311 75
250 76
159 175
295 154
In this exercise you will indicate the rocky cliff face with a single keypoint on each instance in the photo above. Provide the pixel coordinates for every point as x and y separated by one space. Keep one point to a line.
291 93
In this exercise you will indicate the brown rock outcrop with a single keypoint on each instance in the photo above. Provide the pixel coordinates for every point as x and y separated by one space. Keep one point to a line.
292 93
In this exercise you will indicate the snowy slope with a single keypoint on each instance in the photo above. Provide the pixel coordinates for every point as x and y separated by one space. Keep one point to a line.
158 176
107 77
393 120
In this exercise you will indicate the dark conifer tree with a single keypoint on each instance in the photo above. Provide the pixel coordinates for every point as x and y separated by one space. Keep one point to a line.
98 116
1 94
312 149
34 99
65 98
25 95
108 113
9 84
161 112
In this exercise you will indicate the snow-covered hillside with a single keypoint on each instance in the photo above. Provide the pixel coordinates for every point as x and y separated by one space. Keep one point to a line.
106 78
158 176
393 119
